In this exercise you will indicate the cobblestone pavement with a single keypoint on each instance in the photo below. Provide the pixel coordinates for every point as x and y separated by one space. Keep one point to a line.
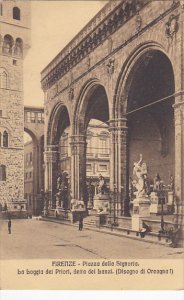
38 239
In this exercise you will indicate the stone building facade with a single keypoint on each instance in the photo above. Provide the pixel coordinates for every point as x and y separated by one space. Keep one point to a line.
125 68
14 44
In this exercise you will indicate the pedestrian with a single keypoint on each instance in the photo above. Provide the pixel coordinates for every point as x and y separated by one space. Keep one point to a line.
80 222
9 226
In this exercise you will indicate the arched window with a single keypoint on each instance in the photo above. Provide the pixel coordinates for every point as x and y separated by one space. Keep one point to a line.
2 173
8 44
16 13
3 79
5 139
18 47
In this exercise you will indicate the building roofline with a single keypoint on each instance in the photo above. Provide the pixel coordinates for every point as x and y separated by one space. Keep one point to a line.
78 34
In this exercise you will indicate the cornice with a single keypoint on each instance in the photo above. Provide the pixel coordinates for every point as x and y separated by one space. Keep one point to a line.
119 48
113 17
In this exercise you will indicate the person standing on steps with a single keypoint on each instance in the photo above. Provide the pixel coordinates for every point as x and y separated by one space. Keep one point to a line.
81 222
9 226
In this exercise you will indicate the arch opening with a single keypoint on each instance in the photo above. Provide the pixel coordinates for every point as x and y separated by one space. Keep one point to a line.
92 124
150 117
58 137
33 172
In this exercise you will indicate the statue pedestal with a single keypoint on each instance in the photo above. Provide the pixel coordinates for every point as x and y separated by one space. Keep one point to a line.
171 207
154 208
141 210
170 198
101 202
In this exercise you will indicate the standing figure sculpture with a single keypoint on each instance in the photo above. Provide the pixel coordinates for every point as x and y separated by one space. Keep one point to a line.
59 182
140 171
101 187
157 183
171 183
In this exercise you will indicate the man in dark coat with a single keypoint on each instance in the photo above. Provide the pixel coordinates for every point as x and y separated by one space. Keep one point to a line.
9 226
80 222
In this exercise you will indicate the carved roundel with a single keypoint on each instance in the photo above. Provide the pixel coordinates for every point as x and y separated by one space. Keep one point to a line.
172 26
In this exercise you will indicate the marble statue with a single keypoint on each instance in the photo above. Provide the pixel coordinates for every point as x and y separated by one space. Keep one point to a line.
140 171
157 183
101 187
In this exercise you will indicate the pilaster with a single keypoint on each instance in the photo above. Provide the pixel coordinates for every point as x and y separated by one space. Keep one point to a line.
118 162
179 158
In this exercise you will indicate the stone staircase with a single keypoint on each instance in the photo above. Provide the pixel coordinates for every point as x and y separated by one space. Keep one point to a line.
89 221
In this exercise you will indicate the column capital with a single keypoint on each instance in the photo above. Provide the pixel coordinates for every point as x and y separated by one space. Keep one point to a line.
51 156
119 124
178 105
179 113
77 139
50 148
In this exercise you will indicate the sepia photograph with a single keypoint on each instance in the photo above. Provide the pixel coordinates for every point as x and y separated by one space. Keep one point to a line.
91 139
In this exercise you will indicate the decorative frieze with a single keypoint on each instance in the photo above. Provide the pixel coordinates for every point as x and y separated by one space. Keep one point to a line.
117 16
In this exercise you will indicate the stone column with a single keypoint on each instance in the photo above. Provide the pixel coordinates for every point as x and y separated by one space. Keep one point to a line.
51 171
118 163
78 167
113 147
179 160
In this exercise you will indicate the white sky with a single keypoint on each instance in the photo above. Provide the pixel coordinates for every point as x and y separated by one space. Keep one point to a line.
47 18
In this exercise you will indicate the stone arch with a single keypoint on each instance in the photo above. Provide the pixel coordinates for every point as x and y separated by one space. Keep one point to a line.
148 121
55 115
124 78
92 103
81 104
32 135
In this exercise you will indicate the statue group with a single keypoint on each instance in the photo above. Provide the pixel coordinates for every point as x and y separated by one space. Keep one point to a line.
140 184
62 195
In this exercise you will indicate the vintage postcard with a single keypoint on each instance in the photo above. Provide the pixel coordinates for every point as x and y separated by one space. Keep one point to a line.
91 145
